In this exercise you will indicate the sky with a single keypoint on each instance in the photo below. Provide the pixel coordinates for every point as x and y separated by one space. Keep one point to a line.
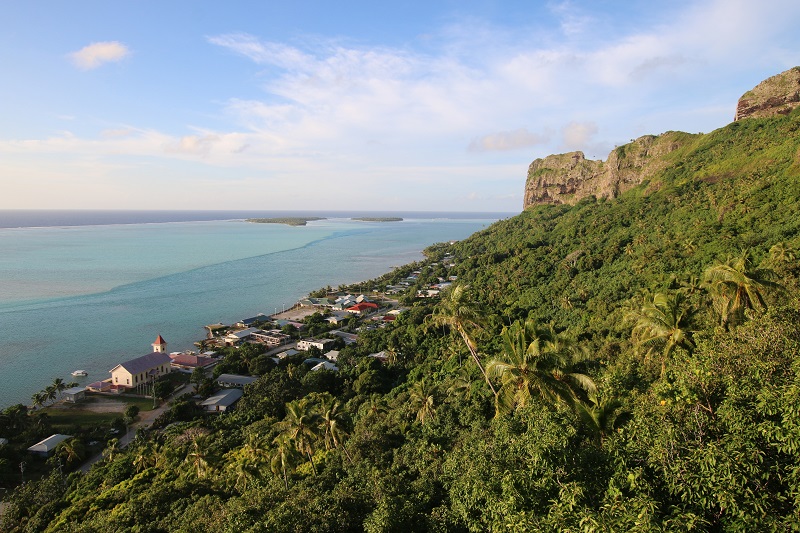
355 105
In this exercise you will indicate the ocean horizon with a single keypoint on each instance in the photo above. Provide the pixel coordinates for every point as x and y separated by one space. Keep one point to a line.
89 289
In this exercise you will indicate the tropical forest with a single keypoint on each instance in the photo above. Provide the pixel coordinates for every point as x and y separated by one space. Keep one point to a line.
619 363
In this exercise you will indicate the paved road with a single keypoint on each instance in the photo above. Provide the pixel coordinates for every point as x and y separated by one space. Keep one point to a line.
145 419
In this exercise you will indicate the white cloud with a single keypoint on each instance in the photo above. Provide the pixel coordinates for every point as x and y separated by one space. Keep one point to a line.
507 140
578 135
96 54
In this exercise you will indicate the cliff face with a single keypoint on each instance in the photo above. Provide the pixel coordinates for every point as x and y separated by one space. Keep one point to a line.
777 95
567 178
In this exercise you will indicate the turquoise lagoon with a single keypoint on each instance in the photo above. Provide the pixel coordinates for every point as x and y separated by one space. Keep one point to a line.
90 296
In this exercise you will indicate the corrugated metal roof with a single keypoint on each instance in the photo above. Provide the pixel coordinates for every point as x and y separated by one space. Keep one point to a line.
145 363
224 398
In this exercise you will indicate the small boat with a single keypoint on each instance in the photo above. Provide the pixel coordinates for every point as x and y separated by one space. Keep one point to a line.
77 373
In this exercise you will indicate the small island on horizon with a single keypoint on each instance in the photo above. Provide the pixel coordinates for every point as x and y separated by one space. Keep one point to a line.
378 219
289 221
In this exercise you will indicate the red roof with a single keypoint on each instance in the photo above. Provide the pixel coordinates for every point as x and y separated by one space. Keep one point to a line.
160 340
193 361
362 306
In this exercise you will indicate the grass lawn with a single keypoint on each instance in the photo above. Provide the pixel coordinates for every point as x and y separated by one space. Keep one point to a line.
62 418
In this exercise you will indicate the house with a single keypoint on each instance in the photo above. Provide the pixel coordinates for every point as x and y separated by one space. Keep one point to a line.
248 322
235 380
189 362
306 344
45 447
361 308
325 365
221 401
337 318
99 386
349 338
274 337
235 337
296 325
74 394
380 356
288 353
141 370
332 355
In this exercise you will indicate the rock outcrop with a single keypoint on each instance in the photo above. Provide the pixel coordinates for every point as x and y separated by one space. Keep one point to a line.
777 95
567 178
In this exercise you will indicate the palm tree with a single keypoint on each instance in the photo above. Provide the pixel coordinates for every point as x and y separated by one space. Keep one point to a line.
662 322
59 386
422 401
456 312
736 286
284 458
300 426
600 416
38 399
197 457
111 450
248 461
52 392
333 422
531 366
71 450
782 253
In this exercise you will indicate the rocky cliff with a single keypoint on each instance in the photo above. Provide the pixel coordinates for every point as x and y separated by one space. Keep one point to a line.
777 95
567 178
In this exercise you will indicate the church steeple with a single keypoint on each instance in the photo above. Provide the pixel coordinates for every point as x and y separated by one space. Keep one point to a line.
160 345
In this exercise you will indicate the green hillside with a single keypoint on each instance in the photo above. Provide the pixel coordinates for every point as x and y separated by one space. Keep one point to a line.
645 353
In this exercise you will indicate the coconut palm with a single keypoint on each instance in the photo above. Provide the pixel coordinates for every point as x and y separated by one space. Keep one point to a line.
662 322
59 386
422 401
333 423
300 426
736 285
38 399
71 450
782 253
531 365
600 416
111 450
197 457
456 312
248 461
284 458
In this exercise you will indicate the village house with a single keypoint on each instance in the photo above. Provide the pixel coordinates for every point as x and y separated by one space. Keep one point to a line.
273 338
74 394
363 307
46 447
235 380
221 401
305 344
189 362
235 337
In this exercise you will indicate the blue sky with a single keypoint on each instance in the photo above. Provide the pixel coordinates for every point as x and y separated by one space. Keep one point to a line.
355 105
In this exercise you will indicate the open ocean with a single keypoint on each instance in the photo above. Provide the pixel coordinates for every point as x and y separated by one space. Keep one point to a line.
89 289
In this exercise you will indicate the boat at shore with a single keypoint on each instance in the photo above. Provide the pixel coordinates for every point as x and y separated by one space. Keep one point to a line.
77 373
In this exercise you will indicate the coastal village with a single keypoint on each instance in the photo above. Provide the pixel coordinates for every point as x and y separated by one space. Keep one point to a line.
313 332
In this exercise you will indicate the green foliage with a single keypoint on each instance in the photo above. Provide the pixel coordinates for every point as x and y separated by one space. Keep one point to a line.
568 304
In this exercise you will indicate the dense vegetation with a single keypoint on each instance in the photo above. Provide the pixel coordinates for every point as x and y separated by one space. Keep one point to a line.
289 221
622 365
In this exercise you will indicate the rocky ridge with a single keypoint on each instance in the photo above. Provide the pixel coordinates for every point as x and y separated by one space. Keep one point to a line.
568 178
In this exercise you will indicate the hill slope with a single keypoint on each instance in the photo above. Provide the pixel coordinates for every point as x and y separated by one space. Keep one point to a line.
697 429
